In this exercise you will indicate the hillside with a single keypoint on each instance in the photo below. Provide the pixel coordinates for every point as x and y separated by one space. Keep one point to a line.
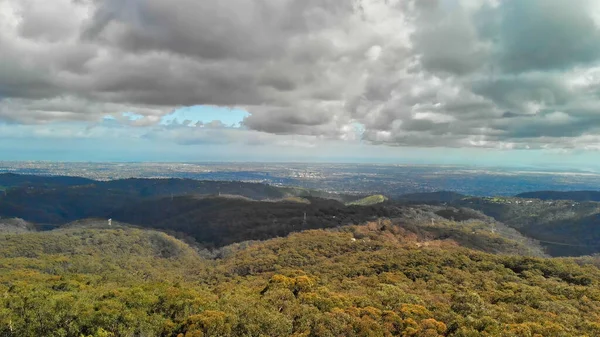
212 214
249 211
374 280
476 232
368 201
13 180
563 227
118 242
15 225
46 200
441 196
559 195
263 211
219 221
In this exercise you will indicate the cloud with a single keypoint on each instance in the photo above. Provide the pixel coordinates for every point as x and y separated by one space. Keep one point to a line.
435 73
548 35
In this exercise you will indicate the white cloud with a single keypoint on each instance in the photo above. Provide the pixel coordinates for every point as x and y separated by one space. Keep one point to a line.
452 73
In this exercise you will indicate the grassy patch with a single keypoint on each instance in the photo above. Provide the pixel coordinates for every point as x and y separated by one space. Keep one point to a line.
368 201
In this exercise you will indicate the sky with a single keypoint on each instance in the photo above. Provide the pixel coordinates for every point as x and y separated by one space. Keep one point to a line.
481 82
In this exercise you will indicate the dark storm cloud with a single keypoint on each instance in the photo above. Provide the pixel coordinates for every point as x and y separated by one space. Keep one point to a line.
481 73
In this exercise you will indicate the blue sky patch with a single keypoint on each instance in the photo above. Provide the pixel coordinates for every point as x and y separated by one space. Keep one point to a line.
206 114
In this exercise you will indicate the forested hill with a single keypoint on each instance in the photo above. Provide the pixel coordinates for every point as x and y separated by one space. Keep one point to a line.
58 200
222 220
441 196
218 221
559 195
247 211
12 180
373 280
563 227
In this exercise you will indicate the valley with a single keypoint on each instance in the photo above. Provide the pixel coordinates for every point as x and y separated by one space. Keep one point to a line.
208 258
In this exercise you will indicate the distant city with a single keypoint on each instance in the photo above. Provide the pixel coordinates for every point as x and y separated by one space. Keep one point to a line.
391 180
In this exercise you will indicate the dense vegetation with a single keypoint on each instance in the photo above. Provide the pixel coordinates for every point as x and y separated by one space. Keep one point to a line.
374 280
215 221
218 221
562 195
564 227
441 196
58 200
221 221
443 269
13 180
